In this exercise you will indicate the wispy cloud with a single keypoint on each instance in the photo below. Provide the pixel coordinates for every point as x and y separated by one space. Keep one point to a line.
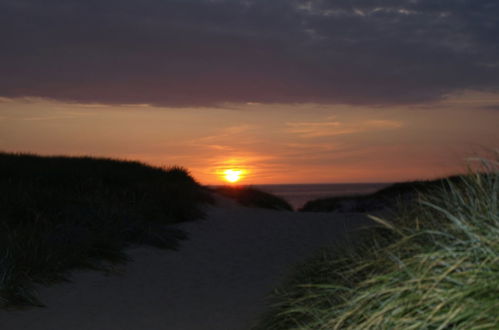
226 138
6 100
43 118
491 107
333 128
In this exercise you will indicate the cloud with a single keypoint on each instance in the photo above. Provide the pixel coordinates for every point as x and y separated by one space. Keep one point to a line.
239 134
5 100
205 53
494 107
333 128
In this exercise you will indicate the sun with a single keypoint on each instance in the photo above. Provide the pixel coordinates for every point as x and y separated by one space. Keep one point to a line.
233 176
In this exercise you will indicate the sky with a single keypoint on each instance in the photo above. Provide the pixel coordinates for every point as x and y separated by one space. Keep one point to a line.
310 91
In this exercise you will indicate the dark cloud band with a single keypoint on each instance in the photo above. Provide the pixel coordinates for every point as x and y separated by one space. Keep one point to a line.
195 52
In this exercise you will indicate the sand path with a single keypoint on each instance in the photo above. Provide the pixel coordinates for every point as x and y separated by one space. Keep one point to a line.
216 281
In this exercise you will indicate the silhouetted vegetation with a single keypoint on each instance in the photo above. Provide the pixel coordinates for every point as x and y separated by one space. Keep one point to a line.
62 213
387 198
252 197
435 265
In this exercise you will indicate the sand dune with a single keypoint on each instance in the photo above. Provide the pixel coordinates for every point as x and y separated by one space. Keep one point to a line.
217 280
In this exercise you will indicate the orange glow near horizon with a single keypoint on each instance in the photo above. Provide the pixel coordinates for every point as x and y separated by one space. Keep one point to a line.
233 176
269 144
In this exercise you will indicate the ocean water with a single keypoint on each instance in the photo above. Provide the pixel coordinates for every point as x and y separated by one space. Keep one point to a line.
298 194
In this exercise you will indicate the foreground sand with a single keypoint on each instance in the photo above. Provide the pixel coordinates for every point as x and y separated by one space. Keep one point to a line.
216 281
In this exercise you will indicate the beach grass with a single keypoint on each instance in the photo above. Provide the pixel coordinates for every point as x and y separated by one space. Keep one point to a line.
435 265
252 197
58 214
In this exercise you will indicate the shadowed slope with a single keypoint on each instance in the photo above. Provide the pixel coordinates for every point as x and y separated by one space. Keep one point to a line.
252 197
216 281
61 213
385 198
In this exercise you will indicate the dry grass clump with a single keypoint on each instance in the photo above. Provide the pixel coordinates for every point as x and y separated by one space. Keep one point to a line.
434 266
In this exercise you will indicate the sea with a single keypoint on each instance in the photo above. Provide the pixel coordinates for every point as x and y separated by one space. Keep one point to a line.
298 194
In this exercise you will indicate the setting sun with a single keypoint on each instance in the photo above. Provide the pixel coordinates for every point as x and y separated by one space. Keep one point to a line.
233 175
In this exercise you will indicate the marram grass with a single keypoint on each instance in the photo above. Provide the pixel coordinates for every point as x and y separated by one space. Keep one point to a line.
433 266
58 214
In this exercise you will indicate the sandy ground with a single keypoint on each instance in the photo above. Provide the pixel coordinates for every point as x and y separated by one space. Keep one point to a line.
218 279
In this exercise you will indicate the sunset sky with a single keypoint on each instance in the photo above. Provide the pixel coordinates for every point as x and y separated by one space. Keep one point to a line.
289 91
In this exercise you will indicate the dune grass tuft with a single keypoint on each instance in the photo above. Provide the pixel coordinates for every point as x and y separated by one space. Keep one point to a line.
62 213
433 266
